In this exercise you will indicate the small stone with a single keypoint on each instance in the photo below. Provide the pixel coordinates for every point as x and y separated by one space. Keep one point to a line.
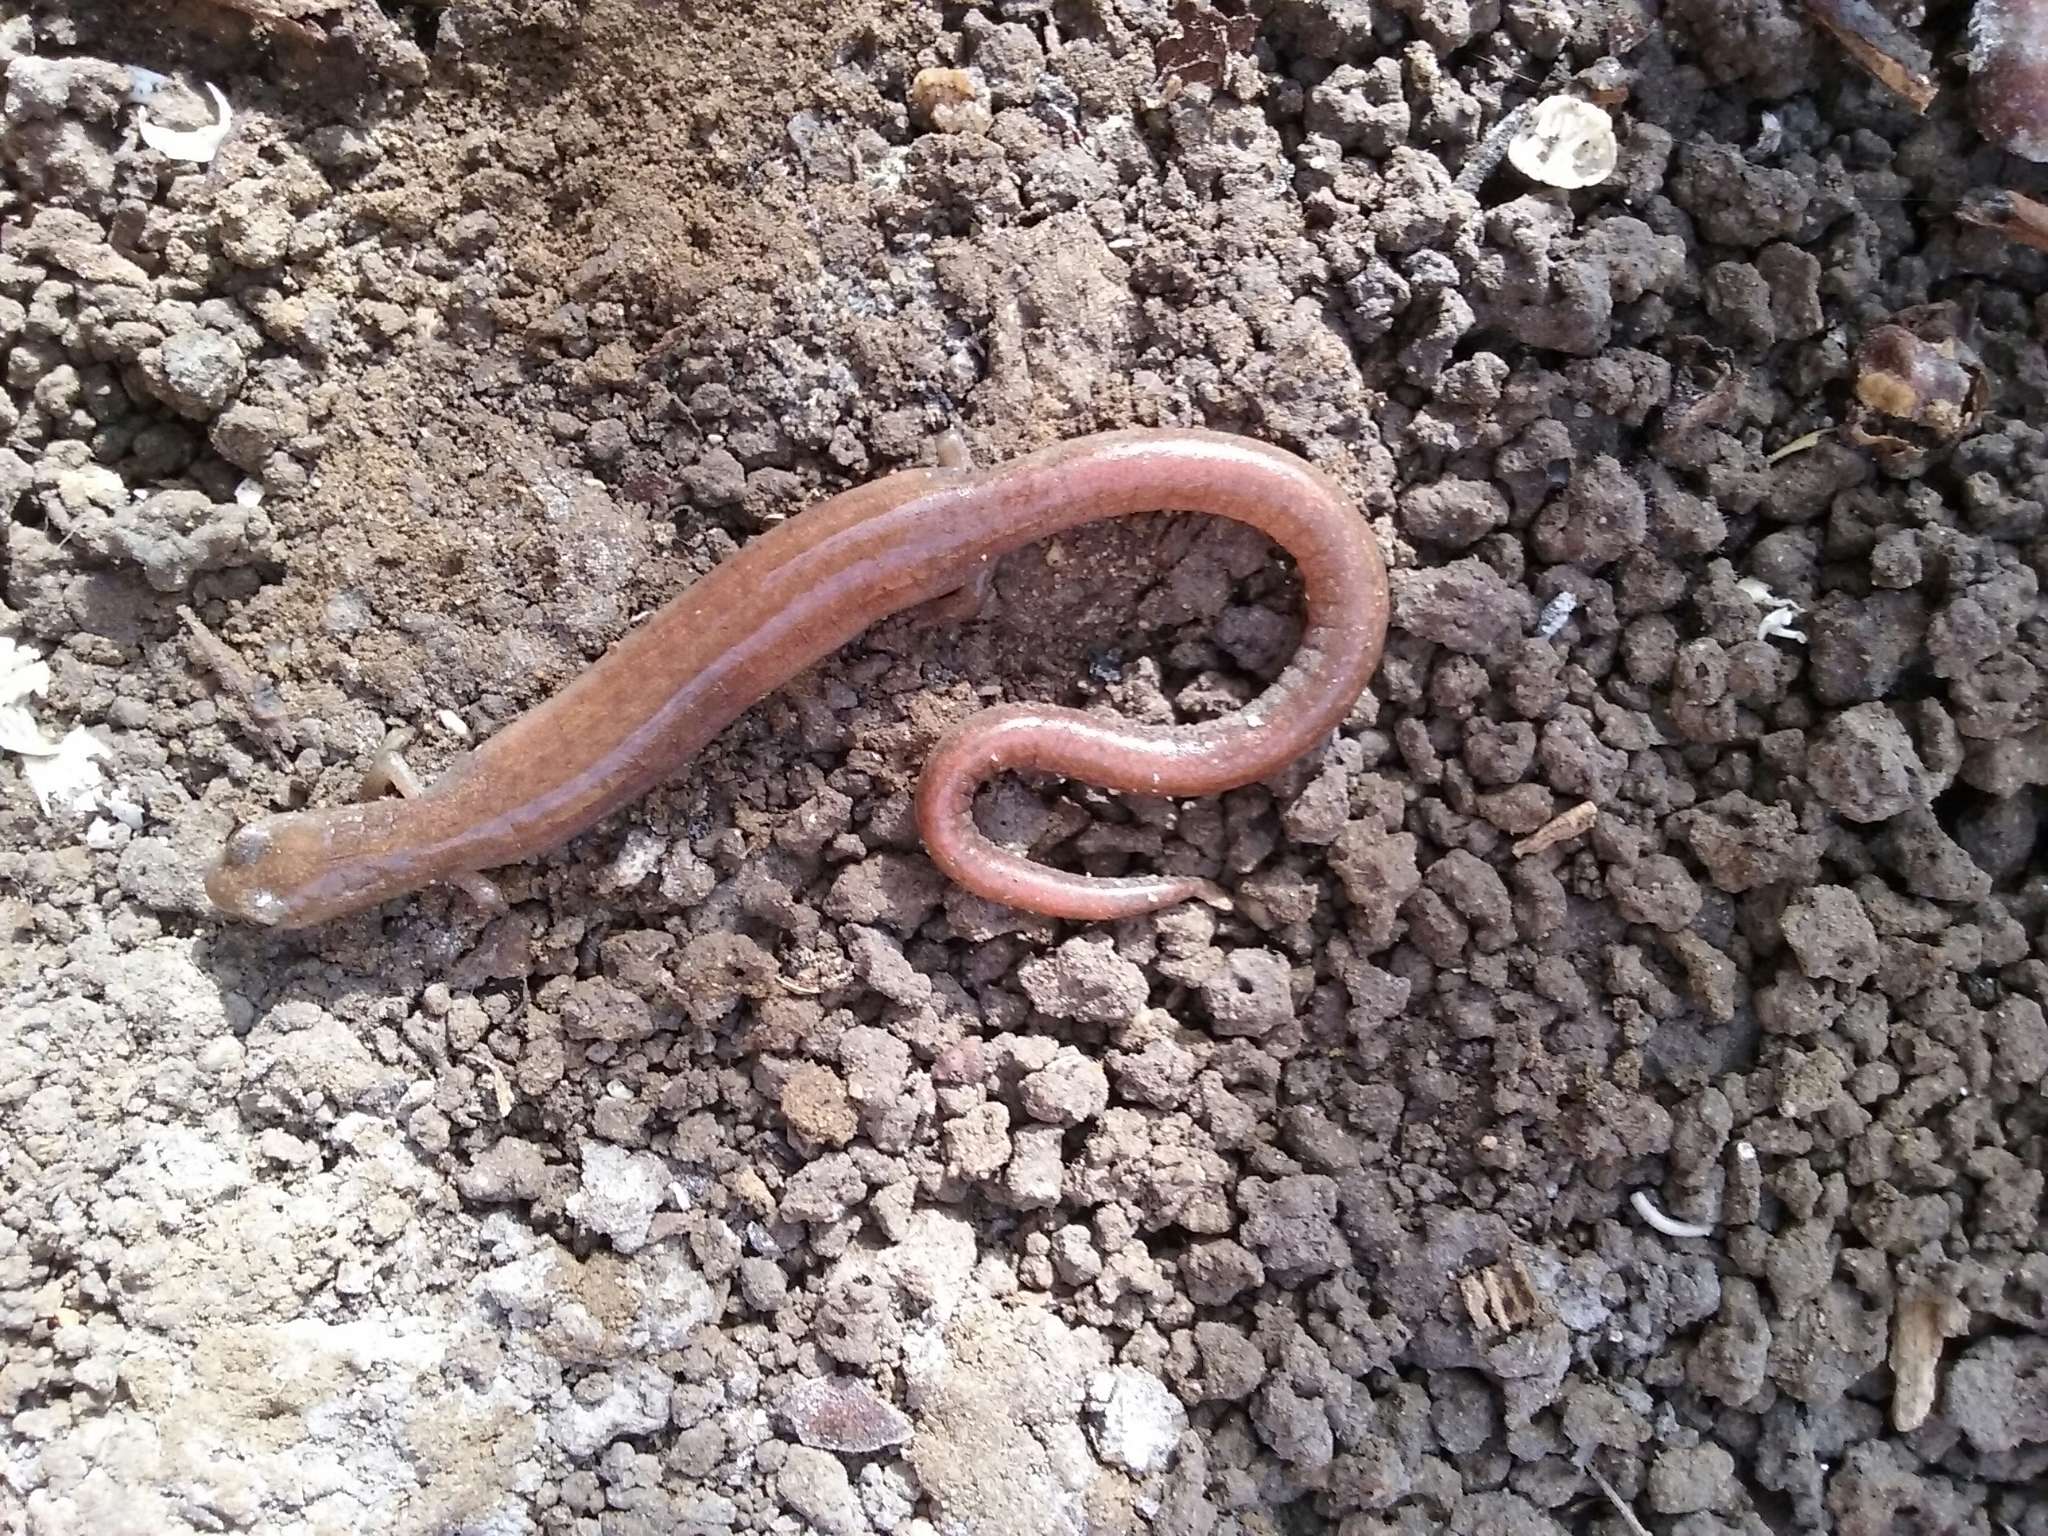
1068 1090
978 1142
763 1286
815 1103
1133 1420
195 373
248 435
1253 995
815 1485
1997 1394
1085 979
1865 765
950 101
1832 935
1687 1481
619 1194
836 1413
1074 1258
823 1191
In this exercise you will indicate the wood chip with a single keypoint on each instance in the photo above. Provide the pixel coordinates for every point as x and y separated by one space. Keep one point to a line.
1559 829
2013 214
1500 1298
1881 46
1921 1322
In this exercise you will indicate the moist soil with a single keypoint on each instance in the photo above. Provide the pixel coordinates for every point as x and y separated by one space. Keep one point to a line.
1676 1166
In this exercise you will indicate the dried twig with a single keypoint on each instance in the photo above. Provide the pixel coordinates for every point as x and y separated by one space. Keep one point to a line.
260 700
1628 1515
1881 46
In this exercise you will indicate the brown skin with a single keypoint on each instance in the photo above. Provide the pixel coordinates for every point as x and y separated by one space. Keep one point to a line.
800 591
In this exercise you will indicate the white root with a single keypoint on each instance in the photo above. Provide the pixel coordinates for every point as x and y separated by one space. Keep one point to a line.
1658 1221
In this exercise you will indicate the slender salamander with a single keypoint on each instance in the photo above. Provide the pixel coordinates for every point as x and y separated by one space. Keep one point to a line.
798 592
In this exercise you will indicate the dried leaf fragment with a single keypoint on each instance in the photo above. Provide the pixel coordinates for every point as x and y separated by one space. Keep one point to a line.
1706 387
1207 41
1559 829
1920 388
1881 46
259 698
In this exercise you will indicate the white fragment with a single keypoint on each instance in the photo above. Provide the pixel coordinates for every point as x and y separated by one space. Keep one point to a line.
249 493
144 83
451 722
618 1194
1133 1419
1777 625
1556 614
198 145
68 777
1770 133
1779 612
1658 1221
1745 1152
61 773
103 836
23 672
19 733
1566 142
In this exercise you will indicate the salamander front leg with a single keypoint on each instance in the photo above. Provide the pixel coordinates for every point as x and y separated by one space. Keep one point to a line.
389 773
964 603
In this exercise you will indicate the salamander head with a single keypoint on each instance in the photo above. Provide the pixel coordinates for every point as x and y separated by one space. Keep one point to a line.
292 871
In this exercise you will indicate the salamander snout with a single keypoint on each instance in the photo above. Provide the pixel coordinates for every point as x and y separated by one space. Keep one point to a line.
235 883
